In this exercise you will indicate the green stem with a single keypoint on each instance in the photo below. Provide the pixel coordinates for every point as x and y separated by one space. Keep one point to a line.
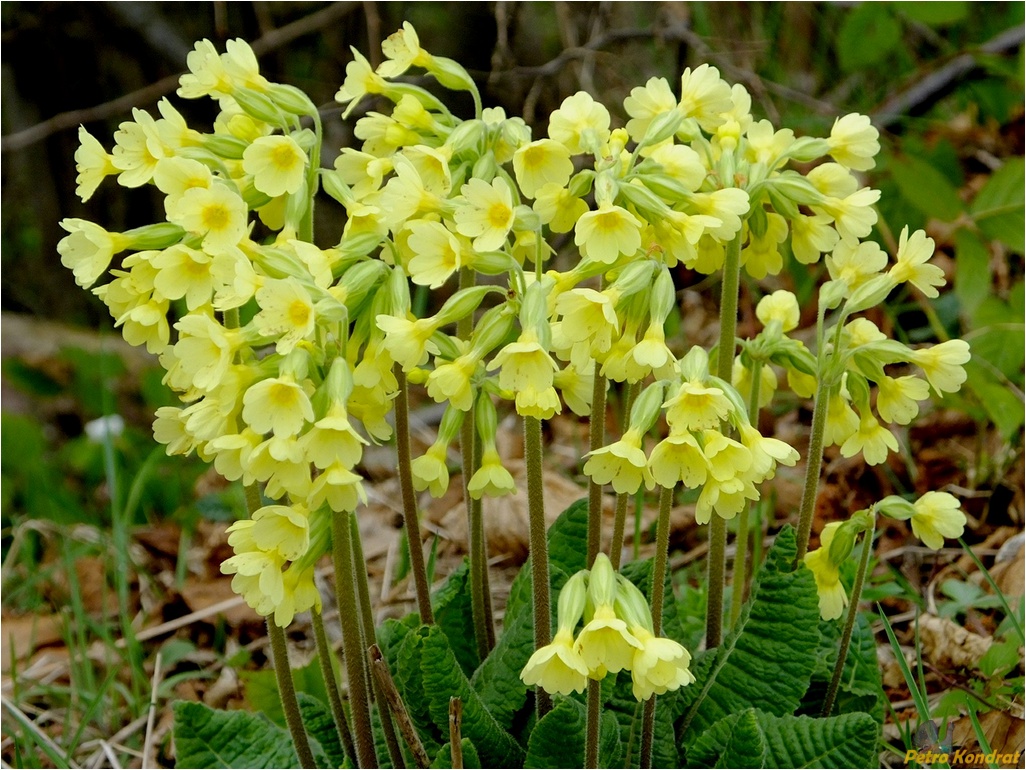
658 595
306 226
849 624
368 638
741 556
591 743
349 618
338 712
411 521
596 438
724 370
539 547
813 463
287 693
620 512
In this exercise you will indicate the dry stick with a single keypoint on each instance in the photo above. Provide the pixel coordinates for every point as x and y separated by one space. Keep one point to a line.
356 673
410 518
455 732
391 696
368 638
539 548
620 514
338 712
148 759
287 692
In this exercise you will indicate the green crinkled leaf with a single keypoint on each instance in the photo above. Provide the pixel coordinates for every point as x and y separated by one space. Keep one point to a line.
453 611
497 680
444 757
558 738
443 679
998 210
408 673
205 737
746 746
767 659
320 726
860 681
848 740
621 703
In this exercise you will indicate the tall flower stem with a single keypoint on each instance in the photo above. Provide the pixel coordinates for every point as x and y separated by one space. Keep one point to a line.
658 595
410 518
355 659
367 635
813 463
539 547
724 370
597 437
481 601
338 713
741 556
287 692
620 512
849 623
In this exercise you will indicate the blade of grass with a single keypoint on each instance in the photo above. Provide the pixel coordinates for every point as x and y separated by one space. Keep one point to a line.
43 741
1000 594
978 728
919 697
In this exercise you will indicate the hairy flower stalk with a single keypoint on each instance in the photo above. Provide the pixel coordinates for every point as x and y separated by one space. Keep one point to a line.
597 437
338 713
287 693
539 547
658 589
622 498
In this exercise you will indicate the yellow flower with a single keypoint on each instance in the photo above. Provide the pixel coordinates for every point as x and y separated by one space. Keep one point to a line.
232 451
589 316
184 272
767 453
622 464
766 145
207 75
451 381
577 387
896 398
361 79
854 215
780 306
402 49
944 364
728 459
832 596
282 528
872 439
833 180
278 405
862 331
204 351
853 142
651 355
678 458
216 213
913 255
276 163
524 364
761 256
607 233
279 461
332 439
811 237
137 149
937 515
541 163
430 471
605 645
437 253
854 263
681 163
646 103
299 595
286 313
492 478
488 214
408 342
92 163
727 205
661 665
842 421
88 249
580 124
557 667
696 407
704 96
339 487
558 208
169 430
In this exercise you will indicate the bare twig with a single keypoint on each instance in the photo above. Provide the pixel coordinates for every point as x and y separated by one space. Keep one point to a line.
397 707
374 38
108 752
455 731
151 717
55 752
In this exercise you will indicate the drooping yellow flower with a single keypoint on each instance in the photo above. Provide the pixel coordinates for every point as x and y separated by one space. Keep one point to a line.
203 352
937 515
402 50
437 253
92 163
299 595
557 667
137 149
853 142
451 381
284 528
944 364
184 272
854 263
216 213
558 208
589 316
488 215
897 398
678 459
727 205
832 596
206 76
872 439
607 233
88 249
361 79
408 341
912 266
276 163
659 666
540 163
767 145
622 464
430 471
605 644
842 421
704 96
338 487
646 103
854 215
767 453
811 237
491 479
696 407
333 439
780 306
527 369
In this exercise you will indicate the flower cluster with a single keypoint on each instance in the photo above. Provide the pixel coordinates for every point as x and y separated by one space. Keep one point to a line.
617 635
285 355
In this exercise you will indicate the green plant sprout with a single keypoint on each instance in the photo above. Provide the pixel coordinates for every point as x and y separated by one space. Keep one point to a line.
292 356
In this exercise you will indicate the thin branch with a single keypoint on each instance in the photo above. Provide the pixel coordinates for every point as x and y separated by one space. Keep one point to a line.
148 759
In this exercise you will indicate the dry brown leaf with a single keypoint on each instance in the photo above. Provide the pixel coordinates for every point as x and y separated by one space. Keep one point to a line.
946 645
200 594
1010 574
27 633
1004 733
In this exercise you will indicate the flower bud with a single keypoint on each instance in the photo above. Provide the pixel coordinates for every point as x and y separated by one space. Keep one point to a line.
258 106
493 328
485 168
359 279
486 419
291 99
631 605
797 188
572 598
467 137
895 507
831 294
449 428
646 200
339 382
606 188
156 236
602 582
224 146
525 218
808 148
397 293
694 366
647 406
870 294
450 74
463 303
662 127
663 297
843 543
634 277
